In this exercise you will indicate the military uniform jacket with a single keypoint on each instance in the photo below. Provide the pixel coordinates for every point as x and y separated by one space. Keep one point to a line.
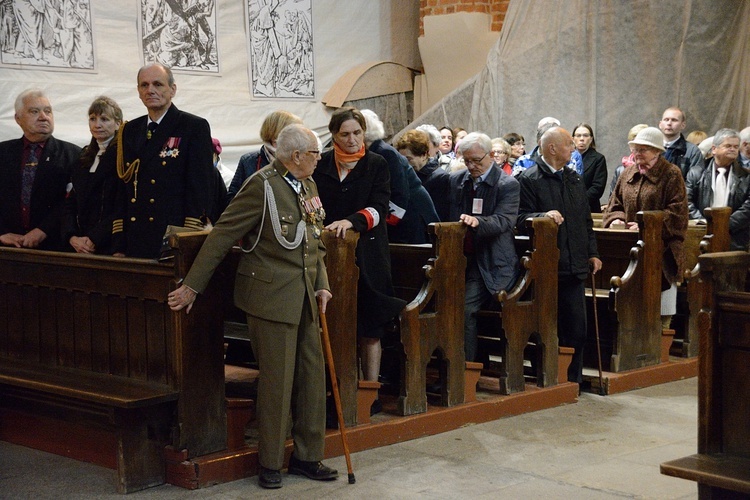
172 182
272 281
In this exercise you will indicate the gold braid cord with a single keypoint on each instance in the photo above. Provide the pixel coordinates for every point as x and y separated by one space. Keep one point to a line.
125 173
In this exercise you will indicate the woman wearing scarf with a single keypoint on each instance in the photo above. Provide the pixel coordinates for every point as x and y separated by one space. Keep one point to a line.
354 186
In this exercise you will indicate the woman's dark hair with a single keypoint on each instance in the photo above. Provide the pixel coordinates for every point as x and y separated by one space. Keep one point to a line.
591 131
513 138
343 114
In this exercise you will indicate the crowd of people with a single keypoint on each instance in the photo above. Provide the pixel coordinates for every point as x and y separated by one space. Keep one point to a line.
122 192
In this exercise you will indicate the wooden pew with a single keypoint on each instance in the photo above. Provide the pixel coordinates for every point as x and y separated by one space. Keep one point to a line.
722 465
715 238
528 312
95 366
629 313
430 278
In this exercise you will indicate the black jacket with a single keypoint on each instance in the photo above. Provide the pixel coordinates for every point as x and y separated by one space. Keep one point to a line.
594 177
438 184
56 162
685 155
700 195
542 191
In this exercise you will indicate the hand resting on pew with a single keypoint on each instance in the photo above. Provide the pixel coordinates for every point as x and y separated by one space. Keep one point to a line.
340 227
469 220
621 224
555 216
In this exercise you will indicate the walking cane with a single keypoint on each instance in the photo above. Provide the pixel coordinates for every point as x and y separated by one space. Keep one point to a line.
335 390
596 331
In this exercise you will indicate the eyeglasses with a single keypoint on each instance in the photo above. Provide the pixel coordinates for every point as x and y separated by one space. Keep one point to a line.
475 161
315 152
495 152
640 151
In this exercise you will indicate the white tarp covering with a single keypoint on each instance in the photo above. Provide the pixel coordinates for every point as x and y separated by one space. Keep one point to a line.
612 64
345 34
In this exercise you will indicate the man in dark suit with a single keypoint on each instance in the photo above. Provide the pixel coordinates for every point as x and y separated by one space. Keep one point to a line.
279 278
723 183
35 170
166 163
550 189
485 199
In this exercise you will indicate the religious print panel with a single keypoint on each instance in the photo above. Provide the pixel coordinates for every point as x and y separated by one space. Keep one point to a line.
280 45
180 34
47 34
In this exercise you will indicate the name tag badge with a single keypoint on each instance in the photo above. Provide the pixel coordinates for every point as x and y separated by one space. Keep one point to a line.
476 206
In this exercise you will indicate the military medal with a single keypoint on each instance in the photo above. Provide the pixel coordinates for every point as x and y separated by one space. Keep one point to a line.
314 213
170 148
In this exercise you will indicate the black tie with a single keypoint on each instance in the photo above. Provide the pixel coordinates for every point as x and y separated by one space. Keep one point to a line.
151 128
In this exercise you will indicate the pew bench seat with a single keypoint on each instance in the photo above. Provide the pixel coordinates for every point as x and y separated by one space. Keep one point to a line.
92 387
137 414
729 473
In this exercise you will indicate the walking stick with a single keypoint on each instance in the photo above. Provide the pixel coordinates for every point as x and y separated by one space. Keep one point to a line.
596 331
335 390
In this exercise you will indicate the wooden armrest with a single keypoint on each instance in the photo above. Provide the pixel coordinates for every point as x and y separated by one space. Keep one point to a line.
109 390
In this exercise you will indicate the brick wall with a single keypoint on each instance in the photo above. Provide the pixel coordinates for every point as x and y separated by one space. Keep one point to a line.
496 8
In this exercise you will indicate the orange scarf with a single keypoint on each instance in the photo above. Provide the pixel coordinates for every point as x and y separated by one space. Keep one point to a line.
344 157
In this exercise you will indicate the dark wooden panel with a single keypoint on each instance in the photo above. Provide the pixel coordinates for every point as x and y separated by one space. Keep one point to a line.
137 351
48 347
3 319
82 321
30 315
66 334
156 341
100 354
15 321
118 336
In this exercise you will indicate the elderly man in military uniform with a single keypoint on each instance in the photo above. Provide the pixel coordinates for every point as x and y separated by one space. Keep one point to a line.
165 160
278 216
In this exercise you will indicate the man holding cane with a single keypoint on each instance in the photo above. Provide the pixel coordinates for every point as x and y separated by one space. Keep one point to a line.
278 216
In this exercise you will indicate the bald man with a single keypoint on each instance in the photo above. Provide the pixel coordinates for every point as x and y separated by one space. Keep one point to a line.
550 189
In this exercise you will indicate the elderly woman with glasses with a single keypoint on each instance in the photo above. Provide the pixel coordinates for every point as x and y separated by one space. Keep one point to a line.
500 154
652 183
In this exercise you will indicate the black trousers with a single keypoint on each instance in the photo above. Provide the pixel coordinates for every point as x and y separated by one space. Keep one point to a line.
571 321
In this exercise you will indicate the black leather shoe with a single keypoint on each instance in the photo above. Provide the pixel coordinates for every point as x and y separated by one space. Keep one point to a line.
313 470
269 478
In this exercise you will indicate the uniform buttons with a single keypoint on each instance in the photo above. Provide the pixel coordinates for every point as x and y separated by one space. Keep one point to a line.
127 164
151 200
132 219
151 219
163 163
153 181
132 200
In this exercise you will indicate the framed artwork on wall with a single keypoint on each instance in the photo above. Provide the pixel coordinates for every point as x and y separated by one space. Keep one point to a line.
280 46
47 35
180 34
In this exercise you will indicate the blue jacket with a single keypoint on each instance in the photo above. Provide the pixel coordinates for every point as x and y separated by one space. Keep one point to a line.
494 241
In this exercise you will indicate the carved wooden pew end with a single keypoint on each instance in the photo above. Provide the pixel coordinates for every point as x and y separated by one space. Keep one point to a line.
240 411
667 336
564 358
471 378
366 394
